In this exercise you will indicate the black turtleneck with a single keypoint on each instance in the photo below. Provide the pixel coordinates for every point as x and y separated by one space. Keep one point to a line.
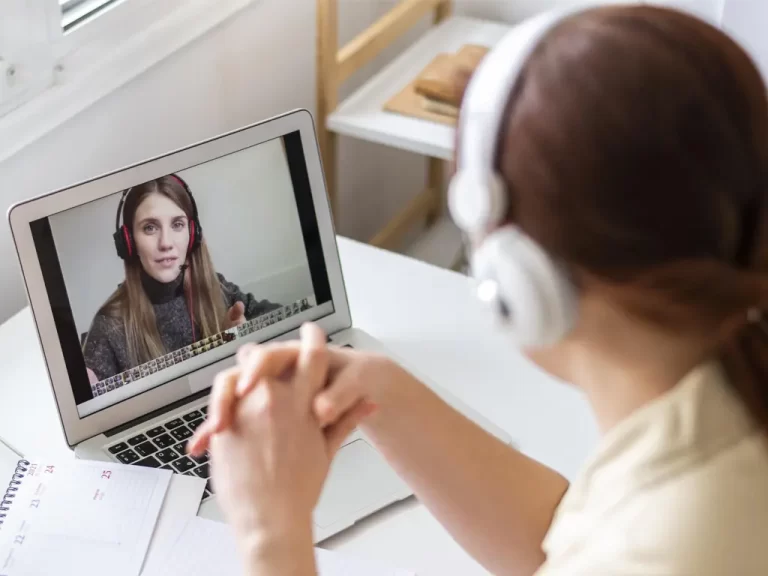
106 348
162 292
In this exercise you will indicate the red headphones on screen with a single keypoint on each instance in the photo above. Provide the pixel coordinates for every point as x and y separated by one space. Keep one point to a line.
126 247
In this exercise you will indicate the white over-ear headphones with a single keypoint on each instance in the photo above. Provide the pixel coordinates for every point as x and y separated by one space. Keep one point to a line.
531 291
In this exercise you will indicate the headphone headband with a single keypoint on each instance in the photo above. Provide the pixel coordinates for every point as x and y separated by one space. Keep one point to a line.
481 119
530 291
123 237
120 207
189 193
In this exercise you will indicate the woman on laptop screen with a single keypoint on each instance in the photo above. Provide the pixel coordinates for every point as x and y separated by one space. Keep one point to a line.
172 295
612 179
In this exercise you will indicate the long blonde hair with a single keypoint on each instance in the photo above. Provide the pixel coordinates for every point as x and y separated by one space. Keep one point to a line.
201 284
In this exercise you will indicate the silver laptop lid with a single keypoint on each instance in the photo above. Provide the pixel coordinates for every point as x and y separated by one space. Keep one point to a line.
143 282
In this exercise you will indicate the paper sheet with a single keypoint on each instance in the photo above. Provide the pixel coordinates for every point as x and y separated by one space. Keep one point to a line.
181 504
202 548
338 564
205 547
81 517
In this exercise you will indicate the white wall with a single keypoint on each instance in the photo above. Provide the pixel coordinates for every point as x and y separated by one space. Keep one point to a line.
221 82
514 10
250 222
747 21
249 217
87 257
225 80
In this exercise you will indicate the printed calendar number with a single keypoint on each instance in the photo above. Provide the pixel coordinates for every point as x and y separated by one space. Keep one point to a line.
34 504
106 474
49 469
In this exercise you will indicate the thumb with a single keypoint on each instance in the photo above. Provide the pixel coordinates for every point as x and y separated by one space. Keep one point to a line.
338 432
237 310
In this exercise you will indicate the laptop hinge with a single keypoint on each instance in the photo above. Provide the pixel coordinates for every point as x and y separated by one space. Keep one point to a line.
155 413
160 411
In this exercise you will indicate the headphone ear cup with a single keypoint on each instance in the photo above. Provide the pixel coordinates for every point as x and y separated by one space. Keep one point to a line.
532 289
124 242
195 235
477 204
192 234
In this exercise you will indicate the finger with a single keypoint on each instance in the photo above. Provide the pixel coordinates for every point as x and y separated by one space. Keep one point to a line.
344 392
221 407
201 440
336 434
245 351
222 401
236 311
312 365
274 360
265 362
259 362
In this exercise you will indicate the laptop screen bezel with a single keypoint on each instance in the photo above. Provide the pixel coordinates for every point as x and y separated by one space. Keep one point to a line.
76 428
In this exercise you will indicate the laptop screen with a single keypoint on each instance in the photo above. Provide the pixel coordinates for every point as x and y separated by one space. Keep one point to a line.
151 283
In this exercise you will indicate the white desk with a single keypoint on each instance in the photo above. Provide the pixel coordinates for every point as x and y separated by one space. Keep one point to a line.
427 315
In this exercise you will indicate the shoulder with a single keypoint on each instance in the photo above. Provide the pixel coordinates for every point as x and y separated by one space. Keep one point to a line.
732 486
229 290
680 488
107 321
105 326
706 518
709 520
111 310
226 285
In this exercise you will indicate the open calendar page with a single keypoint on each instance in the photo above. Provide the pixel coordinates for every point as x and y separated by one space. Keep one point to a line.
79 517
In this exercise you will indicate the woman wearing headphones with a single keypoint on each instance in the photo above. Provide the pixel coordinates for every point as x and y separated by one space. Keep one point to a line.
613 181
172 295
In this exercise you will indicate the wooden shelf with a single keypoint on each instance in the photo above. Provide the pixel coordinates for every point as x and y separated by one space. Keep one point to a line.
362 114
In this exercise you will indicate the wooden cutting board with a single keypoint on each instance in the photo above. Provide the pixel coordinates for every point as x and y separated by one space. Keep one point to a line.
409 102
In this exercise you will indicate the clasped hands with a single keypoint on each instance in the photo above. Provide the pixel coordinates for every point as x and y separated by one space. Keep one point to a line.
275 421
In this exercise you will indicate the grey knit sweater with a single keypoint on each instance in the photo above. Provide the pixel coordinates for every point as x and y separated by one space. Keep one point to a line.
106 348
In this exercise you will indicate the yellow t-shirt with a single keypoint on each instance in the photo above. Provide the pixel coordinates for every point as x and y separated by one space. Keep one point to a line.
679 488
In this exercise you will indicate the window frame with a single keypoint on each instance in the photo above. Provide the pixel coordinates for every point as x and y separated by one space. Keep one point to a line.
80 10
95 57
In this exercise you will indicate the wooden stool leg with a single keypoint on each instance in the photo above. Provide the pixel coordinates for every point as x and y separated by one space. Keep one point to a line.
330 167
435 183
443 11
327 94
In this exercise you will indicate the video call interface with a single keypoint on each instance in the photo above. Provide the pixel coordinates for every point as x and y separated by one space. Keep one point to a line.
151 283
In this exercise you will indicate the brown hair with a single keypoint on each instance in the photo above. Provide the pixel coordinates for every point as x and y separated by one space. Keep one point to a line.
636 151
131 303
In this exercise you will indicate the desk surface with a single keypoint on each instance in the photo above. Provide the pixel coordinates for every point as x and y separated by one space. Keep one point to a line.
431 318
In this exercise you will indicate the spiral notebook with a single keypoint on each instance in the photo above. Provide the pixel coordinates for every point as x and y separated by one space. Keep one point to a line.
79 517
8 460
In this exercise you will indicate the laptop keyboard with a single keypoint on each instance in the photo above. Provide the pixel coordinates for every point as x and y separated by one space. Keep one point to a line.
164 446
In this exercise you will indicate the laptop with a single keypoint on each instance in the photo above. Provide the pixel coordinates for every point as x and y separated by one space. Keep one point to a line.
123 274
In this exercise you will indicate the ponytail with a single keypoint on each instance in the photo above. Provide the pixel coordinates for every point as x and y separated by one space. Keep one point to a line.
744 356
